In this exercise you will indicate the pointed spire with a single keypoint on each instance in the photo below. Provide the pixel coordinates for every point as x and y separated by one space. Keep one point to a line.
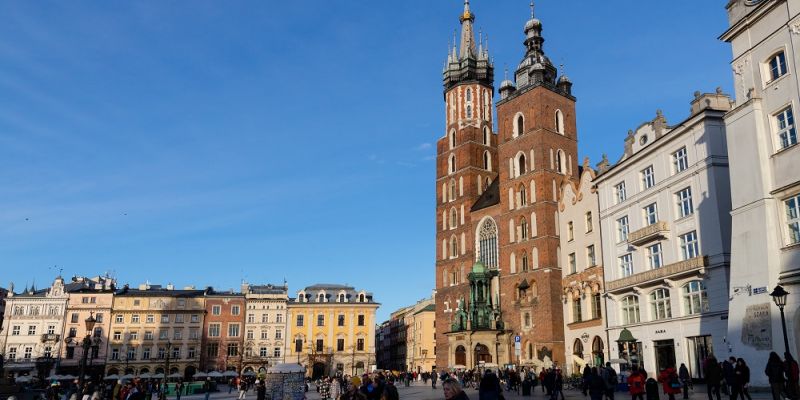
467 36
532 14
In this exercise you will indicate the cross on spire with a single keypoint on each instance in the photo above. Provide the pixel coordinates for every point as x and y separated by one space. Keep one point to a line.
532 9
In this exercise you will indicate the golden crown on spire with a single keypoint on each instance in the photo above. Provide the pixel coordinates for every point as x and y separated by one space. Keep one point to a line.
467 15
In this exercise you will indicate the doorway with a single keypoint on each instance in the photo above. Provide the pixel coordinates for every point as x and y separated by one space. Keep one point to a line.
482 354
461 356
665 354
699 348
318 371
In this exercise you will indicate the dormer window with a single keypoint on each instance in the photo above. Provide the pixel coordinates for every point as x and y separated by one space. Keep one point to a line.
321 298
341 298
361 298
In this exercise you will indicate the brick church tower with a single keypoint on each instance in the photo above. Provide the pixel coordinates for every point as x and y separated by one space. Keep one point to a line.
498 270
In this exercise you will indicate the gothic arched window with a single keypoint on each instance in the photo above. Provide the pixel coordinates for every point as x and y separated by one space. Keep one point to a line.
523 195
559 122
487 243
487 161
523 228
453 247
519 126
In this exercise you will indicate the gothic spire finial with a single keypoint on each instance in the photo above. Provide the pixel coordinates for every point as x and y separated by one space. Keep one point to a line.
532 16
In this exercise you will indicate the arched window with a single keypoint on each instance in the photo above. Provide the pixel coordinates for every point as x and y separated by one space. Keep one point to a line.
521 165
487 161
530 351
577 348
630 310
523 195
451 190
487 139
487 110
453 247
519 125
559 123
695 298
533 290
451 164
523 228
469 94
453 218
659 304
524 263
527 320
561 166
469 111
452 138
487 243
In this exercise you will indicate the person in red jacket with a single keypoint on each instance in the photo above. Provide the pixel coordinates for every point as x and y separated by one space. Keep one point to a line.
670 382
636 383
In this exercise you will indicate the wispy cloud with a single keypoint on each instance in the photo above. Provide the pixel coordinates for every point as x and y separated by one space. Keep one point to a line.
424 146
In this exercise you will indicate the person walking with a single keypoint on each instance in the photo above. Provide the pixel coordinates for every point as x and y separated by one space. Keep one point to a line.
636 382
489 388
336 389
727 373
686 379
242 389
792 377
261 390
742 379
597 386
178 390
670 382
434 377
713 374
207 388
775 374
558 385
610 376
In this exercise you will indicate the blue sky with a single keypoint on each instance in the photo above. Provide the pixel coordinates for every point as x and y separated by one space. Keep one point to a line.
208 142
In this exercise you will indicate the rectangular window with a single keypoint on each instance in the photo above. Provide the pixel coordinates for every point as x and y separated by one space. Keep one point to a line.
74 318
179 318
195 318
777 66
786 129
28 353
148 335
119 319
146 353
339 344
233 330
361 320
250 334
213 330
298 345
689 246
149 319
51 329
597 306
570 231
135 318
276 352
194 333
15 330
165 318
320 320
278 334
98 317
279 318
117 335
360 344
619 192
12 353
685 206
134 335
622 229
300 320
251 318
591 259
589 223
191 353
573 267
680 160
181 303
262 352
216 310
576 311
163 334
73 332
131 353
177 335
115 354
136 303
626 265
31 330
235 310
162 353
651 214
264 335
340 320
654 256
648 177
319 345
264 318
233 349
212 350
793 218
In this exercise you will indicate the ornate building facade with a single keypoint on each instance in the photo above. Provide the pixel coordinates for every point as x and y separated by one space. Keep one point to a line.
497 265
223 331
265 326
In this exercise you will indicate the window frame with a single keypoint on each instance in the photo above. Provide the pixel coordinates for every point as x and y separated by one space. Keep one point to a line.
689 248
785 128
655 259
695 296
648 177
680 160
779 69
684 202
650 213
626 265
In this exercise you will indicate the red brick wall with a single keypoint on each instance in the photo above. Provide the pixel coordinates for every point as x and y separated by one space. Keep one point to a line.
221 361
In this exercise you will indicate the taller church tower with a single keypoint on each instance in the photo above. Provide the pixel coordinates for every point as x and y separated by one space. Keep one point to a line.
466 166
497 266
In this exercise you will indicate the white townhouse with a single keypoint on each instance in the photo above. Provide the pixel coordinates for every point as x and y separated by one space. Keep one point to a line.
664 216
765 178
34 328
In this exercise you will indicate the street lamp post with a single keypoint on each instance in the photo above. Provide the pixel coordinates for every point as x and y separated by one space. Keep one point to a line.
86 344
779 296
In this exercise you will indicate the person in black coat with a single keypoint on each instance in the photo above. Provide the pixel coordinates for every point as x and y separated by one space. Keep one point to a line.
713 374
774 372
490 387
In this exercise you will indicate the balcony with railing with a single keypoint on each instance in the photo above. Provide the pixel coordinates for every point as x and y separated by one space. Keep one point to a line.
648 233
677 269
50 337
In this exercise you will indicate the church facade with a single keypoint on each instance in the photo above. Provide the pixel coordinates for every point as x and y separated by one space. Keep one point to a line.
498 277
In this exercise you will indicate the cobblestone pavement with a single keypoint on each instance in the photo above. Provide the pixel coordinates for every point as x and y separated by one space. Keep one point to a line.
420 391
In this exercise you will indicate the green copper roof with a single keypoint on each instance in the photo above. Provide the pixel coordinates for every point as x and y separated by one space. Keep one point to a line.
478 268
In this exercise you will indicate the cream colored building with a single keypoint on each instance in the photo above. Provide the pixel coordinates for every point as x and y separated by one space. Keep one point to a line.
87 297
331 330
154 326
422 333
582 283
265 326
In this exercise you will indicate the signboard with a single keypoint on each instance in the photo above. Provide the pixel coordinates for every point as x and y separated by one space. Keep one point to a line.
517 339
757 327
760 290
517 345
